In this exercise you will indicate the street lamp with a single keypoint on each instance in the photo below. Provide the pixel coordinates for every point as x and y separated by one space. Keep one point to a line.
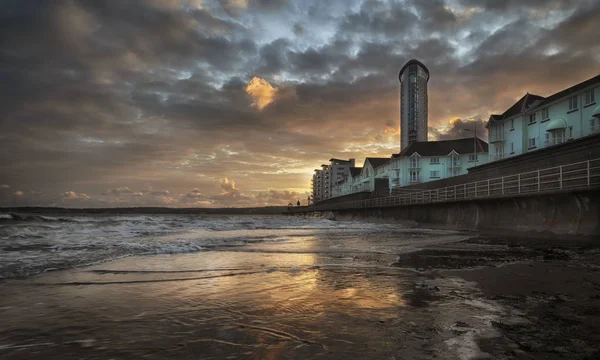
474 140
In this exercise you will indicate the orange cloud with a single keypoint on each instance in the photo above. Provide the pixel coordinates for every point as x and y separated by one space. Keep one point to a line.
261 91
452 121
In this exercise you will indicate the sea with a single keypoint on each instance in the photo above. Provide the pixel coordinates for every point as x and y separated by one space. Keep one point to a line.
229 287
35 243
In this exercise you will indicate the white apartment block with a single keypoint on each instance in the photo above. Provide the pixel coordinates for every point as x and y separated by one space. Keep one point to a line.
325 180
535 122
435 160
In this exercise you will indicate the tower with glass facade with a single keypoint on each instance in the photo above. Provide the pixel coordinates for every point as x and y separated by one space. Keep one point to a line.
413 77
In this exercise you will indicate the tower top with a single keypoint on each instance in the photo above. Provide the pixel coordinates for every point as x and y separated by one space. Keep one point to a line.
410 62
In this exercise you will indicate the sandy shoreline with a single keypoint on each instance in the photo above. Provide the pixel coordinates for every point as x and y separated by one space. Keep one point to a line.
483 297
553 286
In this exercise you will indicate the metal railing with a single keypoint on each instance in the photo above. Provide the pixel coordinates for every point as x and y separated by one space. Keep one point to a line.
495 157
494 137
555 141
576 176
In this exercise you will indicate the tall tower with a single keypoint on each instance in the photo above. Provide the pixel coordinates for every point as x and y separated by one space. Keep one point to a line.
413 77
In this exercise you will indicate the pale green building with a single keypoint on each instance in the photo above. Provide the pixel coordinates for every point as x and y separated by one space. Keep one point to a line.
535 122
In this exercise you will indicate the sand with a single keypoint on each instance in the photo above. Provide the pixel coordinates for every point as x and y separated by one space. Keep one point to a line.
480 298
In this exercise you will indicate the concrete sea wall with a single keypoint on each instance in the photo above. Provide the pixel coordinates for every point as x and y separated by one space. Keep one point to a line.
575 213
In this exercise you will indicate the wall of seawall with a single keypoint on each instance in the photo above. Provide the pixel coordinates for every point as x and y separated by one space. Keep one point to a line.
346 198
575 213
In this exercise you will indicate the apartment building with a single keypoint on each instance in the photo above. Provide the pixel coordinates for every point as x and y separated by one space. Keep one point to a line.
535 122
434 160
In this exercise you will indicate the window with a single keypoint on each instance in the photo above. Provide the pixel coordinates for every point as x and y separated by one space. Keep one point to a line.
434 174
594 125
512 124
589 97
499 151
573 103
532 118
414 162
547 136
512 147
472 157
435 160
454 160
570 132
545 114
531 143
414 176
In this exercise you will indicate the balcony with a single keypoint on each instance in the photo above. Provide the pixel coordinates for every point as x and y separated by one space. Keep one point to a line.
454 164
496 137
497 157
555 141
415 180
382 172
414 165
362 187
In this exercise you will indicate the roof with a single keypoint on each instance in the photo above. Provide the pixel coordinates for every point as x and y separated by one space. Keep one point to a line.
528 101
377 162
410 62
522 105
573 89
340 160
443 147
355 171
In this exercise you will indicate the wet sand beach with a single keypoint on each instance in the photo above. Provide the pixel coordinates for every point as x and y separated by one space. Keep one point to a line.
330 294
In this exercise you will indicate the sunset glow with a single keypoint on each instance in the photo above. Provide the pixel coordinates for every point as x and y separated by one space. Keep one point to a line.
235 102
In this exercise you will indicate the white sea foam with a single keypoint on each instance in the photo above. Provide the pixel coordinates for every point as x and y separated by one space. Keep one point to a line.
30 244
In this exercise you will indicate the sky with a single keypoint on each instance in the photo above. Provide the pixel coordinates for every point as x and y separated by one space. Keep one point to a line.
234 103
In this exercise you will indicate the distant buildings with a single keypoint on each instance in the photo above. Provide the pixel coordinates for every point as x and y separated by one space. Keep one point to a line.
325 180
532 123
418 161
535 122
413 103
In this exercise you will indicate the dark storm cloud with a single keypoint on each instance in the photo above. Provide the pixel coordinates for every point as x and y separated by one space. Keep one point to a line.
460 128
103 98
505 5
374 18
434 14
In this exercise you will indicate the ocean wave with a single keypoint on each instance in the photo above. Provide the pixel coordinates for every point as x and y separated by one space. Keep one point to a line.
14 217
34 243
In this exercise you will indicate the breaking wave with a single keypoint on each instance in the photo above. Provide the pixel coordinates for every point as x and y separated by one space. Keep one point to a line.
33 243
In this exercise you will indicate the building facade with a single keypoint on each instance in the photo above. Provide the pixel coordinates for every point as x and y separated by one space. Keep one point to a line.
326 179
420 162
435 160
360 179
535 122
413 77
317 186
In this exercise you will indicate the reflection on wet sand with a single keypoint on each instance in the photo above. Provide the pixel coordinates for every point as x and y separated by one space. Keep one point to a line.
297 308
296 299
